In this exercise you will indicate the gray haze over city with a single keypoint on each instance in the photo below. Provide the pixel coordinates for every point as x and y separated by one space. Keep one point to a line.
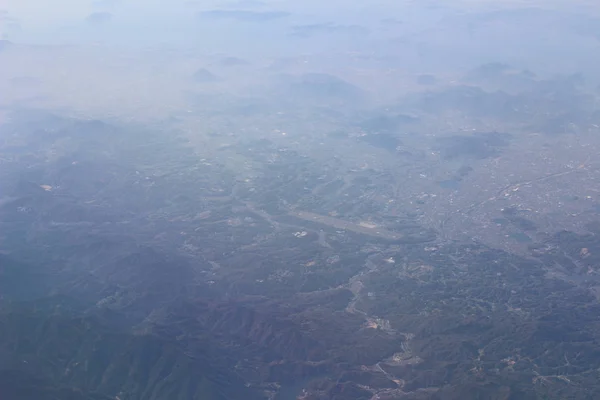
283 200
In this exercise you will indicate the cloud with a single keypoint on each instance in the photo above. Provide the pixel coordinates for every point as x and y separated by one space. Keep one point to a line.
105 4
247 4
426 79
8 25
204 76
233 61
99 17
233 4
5 18
328 28
323 87
243 15
5 44
391 21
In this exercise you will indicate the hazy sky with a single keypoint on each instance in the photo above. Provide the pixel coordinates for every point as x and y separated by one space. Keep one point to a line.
430 30
41 13
132 21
